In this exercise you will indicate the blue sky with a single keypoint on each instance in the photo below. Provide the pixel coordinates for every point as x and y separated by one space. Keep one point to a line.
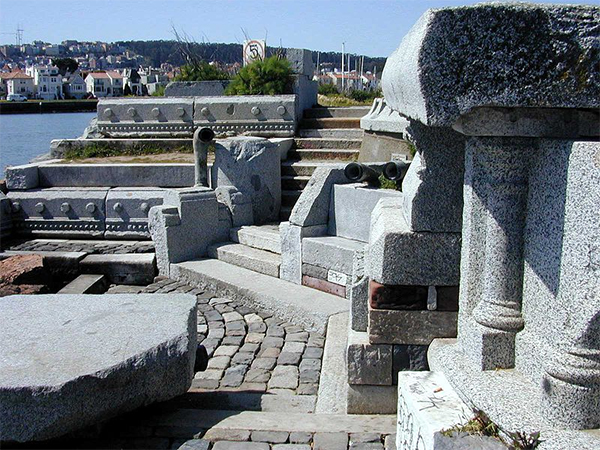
370 27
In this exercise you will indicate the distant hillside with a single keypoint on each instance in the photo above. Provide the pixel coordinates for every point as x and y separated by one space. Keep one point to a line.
158 52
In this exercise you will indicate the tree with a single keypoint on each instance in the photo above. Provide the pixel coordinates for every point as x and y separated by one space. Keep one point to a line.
271 76
65 65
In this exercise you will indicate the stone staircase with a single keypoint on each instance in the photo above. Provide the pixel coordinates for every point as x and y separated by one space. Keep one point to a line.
326 136
257 248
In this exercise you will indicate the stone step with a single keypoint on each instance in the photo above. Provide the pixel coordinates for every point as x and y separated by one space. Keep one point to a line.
133 268
303 168
318 143
342 111
330 122
224 420
250 258
262 237
289 198
294 182
294 303
339 133
323 154
86 284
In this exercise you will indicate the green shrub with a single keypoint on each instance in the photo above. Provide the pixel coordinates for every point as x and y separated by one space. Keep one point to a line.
102 150
159 92
271 76
363 96
328 89
201 72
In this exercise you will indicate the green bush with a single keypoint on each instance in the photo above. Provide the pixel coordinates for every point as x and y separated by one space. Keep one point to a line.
159 92
363 96
271 76
102 150
201 72
328 89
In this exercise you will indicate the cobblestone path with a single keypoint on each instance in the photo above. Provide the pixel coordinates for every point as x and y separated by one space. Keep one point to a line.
251 350
259 389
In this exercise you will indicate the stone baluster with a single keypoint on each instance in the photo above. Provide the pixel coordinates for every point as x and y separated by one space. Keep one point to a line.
503 191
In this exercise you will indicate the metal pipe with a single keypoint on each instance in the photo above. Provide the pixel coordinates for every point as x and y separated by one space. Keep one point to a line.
202 140
360 172
395 171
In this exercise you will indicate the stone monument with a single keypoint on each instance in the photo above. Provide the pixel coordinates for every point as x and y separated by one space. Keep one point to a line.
520 85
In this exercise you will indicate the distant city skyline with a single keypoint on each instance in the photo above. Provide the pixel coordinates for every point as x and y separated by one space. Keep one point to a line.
373 28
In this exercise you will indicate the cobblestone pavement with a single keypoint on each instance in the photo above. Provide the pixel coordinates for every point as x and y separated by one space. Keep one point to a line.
249 349
88 246
258 364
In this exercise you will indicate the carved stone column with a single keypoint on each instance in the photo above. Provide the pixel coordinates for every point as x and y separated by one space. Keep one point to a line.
503 166
572 388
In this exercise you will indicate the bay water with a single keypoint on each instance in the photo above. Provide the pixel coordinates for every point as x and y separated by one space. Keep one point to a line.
25 136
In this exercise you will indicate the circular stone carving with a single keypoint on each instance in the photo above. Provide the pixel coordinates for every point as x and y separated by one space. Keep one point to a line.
281 110
230 109
118 207
108 112
156 112
39 207
180 112
16 206
65 207
132 112
90 207
205 111
144 207
255 110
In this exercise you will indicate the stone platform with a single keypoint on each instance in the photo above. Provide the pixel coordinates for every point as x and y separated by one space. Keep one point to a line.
70 361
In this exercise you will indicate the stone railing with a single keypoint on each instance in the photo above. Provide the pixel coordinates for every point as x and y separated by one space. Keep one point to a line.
258 115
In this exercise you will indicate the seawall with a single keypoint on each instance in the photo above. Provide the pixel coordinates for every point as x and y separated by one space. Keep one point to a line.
41 107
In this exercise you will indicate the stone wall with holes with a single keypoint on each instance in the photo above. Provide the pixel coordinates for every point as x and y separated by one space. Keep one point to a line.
82 200
257 115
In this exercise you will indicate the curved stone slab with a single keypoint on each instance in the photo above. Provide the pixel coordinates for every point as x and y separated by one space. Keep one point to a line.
70 361
495 54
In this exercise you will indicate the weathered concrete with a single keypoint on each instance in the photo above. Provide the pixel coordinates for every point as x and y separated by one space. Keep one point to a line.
88 358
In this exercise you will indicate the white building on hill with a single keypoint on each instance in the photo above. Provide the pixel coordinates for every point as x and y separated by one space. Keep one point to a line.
104 84
47 80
